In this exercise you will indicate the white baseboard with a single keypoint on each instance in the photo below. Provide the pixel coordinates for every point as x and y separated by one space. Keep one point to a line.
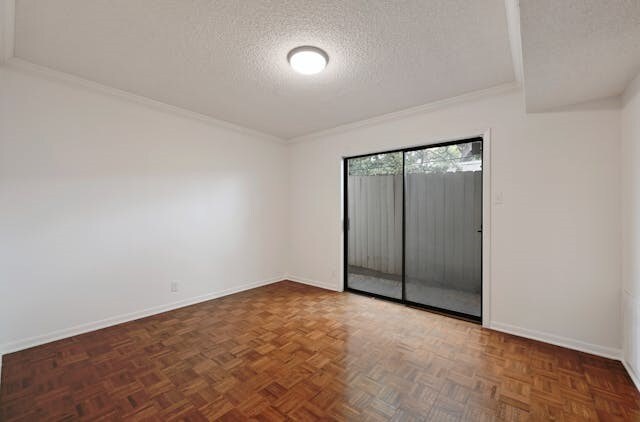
632 373
15 346
26 343
312 283
594 349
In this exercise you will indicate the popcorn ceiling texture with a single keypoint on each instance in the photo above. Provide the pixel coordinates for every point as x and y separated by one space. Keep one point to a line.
578 50
227 59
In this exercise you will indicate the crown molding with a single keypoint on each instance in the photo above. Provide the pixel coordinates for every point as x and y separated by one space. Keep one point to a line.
76 81
58 76
7 31
398 115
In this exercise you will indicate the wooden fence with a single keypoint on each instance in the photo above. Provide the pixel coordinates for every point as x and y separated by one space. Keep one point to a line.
443 216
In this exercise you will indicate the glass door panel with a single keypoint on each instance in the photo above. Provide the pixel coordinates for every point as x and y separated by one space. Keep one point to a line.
443 227
374 225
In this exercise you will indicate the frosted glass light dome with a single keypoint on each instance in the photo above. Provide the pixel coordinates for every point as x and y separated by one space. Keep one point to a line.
308 60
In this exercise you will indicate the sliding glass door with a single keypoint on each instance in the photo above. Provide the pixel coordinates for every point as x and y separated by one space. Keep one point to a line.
414 226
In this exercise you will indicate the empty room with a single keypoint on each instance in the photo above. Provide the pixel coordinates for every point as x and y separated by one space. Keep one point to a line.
301 210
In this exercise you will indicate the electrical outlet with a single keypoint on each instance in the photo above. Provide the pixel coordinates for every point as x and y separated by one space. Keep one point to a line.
174 286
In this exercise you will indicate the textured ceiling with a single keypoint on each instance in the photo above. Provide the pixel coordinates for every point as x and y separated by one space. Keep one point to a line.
227 59
578 50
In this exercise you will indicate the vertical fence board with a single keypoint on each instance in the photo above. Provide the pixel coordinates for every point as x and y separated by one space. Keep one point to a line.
443 214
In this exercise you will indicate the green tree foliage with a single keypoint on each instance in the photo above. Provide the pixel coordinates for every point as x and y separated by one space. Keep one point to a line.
430 160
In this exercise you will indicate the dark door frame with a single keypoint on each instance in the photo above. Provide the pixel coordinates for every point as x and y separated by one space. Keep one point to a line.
345 177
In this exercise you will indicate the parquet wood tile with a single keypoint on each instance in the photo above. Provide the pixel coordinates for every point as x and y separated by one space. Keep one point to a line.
293 352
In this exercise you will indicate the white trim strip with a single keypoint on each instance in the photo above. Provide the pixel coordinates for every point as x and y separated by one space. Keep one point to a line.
108 322
56 76
470 96
314 283
631 90
581 346
632 374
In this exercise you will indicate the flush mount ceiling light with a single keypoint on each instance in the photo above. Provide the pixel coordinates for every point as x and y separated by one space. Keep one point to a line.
308 60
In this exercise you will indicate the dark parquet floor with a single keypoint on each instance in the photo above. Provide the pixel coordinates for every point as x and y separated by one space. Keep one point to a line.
292 352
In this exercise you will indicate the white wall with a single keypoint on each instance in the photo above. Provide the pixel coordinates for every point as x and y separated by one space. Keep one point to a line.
631 228
104 202
555 256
